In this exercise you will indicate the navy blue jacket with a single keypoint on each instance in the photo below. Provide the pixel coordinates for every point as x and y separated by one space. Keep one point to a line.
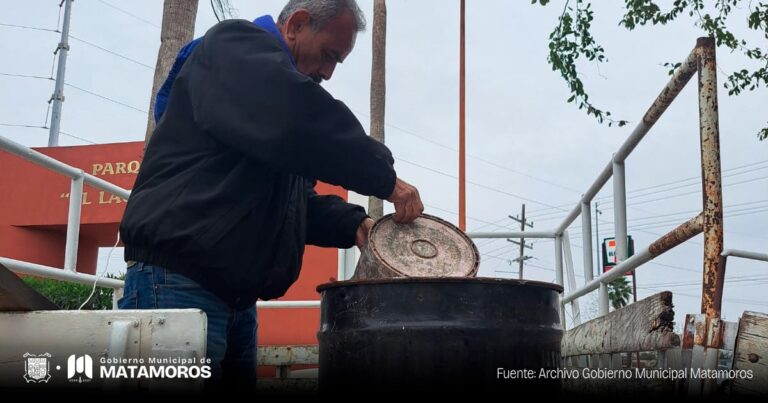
225 194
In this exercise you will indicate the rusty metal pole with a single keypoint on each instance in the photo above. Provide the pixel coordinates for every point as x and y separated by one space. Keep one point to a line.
462 150
712 293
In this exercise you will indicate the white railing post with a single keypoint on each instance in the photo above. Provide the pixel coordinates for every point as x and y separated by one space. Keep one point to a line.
575 311
559 272
73 223
342 265
117 293
620 210
586 240
603 305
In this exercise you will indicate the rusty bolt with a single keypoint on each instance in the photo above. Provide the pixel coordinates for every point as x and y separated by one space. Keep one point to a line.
753 358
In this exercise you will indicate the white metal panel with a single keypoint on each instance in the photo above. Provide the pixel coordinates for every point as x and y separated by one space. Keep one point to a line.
179 333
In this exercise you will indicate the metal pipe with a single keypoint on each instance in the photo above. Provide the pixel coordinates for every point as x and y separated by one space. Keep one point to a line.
598 184
620 211
60 167
682 233
712 293
107 187
117 293
559 274
568 256
586 239
41 159
58 91
559 260
73 223
745 254
512 234
18 266
287 304
681 77
603 300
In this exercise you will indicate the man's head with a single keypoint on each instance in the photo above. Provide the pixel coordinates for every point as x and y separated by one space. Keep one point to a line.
320 33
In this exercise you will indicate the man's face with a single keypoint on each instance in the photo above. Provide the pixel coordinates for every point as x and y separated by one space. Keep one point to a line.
317 52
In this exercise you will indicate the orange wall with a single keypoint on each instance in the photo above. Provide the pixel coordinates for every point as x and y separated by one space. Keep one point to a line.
34 214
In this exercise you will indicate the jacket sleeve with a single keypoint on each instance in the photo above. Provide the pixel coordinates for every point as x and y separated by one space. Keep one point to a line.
246 94
331 222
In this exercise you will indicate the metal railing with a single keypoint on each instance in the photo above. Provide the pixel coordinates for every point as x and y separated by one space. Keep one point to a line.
69 273
701 60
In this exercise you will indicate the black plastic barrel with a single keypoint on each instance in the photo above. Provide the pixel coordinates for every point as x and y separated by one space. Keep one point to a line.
443 334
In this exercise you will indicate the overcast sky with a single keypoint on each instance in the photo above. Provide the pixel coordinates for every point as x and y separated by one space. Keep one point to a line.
525 143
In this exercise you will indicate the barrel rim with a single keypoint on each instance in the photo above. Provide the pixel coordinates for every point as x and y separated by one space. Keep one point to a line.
462 234
426 280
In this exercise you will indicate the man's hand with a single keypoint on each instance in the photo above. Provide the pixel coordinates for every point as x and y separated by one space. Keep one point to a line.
407 202
361 237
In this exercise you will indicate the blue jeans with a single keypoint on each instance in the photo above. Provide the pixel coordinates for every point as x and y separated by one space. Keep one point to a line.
231 341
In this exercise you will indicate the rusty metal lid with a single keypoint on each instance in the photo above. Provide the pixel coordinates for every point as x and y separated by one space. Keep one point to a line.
426 247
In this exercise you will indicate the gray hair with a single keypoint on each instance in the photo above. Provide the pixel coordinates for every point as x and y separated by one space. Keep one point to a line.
322 11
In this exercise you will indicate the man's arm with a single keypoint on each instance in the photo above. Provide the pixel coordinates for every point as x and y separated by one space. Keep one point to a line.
332 222
245 93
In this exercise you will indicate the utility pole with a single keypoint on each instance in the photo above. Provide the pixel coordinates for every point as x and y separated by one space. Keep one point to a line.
597 239
58 91
523 223
378 88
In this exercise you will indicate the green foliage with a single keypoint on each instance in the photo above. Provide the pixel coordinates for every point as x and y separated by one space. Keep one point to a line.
619 292
71 295
572 39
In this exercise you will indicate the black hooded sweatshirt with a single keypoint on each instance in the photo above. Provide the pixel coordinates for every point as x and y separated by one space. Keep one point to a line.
225 194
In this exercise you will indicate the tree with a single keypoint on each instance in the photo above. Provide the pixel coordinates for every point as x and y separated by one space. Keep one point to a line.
378 88
619 292
177 30
572 40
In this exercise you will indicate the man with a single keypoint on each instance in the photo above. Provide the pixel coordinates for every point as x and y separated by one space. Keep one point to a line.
224 201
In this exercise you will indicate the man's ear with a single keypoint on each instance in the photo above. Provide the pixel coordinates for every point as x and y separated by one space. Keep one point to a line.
297 22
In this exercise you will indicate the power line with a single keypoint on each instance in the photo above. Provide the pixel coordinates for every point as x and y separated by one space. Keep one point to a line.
46 128
473 156
112 52
20 125
731 300
697 283
729 210
130 14
663 224
27 27
609 207
543 213
695 191
470 217
25 76
474 183
77 137
105 98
